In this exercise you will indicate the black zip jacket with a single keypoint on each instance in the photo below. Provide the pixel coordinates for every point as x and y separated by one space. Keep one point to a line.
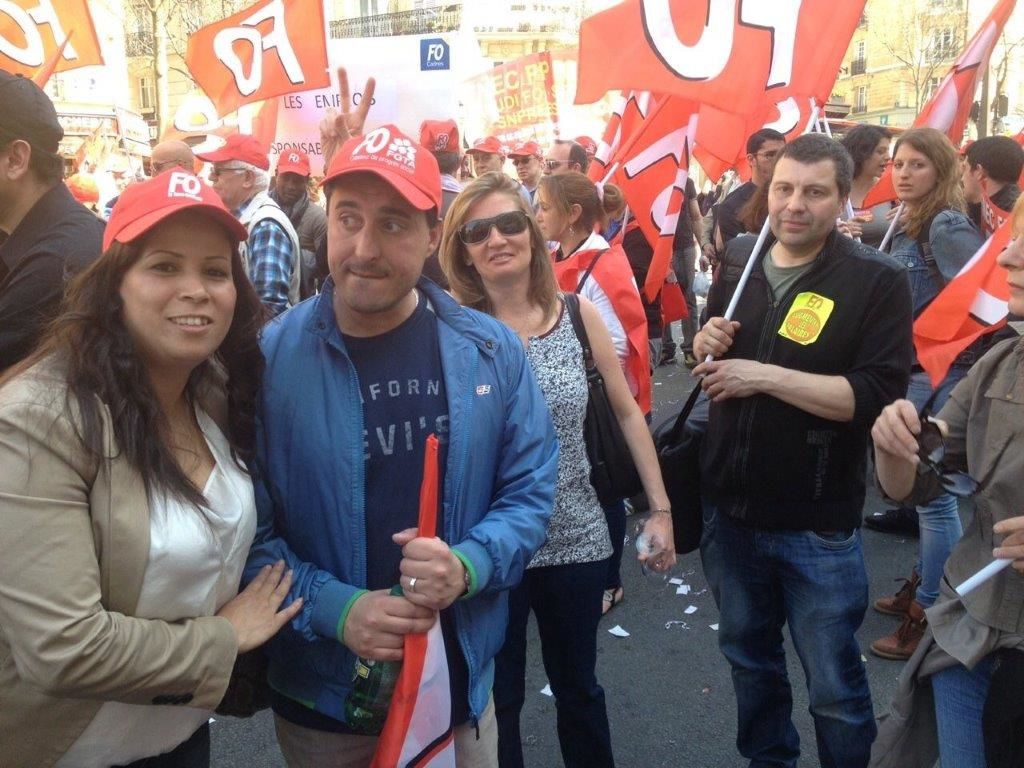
769 464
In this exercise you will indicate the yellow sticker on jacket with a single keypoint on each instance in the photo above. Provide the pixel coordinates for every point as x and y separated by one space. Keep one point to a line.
806 318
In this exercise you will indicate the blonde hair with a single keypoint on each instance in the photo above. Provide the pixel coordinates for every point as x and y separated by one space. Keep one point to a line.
946 193
465 282
564 190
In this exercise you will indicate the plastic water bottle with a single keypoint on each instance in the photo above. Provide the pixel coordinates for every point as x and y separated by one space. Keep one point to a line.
373 685
649 543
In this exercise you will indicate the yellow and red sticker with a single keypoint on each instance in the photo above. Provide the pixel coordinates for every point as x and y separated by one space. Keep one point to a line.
806 318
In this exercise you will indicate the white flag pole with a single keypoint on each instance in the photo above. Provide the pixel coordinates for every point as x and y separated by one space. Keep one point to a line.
734 302
892 228
982 576
825 128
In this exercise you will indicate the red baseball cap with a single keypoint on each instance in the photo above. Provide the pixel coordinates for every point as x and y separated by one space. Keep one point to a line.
145 204
588 144
489 145
387 152
239 146
526 149
439 135
293 161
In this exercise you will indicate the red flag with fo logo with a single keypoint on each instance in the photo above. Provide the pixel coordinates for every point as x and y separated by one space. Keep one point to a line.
270 49
418 732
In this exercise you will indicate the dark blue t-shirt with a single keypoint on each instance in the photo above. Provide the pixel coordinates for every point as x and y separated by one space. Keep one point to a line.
401 384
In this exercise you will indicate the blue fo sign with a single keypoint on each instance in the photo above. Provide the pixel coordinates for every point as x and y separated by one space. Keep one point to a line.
435 54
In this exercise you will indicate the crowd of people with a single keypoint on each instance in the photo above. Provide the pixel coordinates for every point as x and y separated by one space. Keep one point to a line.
214 403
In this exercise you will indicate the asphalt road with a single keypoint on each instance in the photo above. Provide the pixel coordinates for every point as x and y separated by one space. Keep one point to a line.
669 694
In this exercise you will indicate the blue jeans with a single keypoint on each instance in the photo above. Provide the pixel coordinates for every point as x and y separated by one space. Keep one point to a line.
960 695
566 601
762 579
939 519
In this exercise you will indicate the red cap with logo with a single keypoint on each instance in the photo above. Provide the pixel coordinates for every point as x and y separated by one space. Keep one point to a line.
526 149
489 145
240 147
439 135
588 144
293 161
145 204
397 159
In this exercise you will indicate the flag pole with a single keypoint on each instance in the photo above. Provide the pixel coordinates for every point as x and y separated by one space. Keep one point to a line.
828 132
765 229
892 229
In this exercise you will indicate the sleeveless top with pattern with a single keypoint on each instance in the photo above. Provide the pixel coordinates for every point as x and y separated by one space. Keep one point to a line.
577 531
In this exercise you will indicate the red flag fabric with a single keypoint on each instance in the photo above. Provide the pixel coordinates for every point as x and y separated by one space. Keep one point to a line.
615 277
974 303
673 303
626 119
42 77
992 216
270 49
31 33
950 106
418 731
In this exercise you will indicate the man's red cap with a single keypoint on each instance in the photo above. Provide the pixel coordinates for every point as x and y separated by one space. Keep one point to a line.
387 152
240 147
293 161
490 146
588 144
145 204
526 149
439 135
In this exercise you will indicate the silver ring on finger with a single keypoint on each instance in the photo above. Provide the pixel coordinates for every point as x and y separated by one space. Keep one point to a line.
412 583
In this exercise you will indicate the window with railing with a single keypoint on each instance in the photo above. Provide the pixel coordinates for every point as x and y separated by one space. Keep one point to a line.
147 93
860 100
942 45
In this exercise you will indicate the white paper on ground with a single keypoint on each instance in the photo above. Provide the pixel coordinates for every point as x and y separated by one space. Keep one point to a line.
618 631
691 609
546 690
675 580
683 589
714 627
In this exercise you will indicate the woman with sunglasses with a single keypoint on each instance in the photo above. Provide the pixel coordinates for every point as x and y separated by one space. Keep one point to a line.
126 512
934 241
972 651
495 257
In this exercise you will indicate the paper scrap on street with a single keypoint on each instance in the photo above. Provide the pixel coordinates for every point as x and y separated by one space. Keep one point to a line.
675 580
618 631
683 589
546 690
714 627
690 610
680 624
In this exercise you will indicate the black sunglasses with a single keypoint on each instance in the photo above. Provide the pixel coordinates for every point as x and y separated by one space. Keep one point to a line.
478 230
932 451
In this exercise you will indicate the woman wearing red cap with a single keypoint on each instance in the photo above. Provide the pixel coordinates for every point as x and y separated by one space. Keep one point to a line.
126 512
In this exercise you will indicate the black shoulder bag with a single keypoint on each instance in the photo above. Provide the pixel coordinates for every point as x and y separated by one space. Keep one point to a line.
612 471
677 443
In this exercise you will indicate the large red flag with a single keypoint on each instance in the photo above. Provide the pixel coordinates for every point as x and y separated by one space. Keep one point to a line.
949 108
418 731
974 303
272 48
45 72
31 33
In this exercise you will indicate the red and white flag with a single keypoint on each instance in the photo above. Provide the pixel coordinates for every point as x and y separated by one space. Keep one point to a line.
992 216
418 732
974 303
949 108
32 33
270 49
626 118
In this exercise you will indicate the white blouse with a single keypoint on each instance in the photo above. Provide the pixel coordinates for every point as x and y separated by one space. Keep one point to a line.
195 564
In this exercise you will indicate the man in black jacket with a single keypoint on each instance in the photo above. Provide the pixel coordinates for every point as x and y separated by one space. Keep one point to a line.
45 236
820 343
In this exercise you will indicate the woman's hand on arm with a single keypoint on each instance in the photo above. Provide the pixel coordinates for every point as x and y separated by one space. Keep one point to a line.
254 613
632 422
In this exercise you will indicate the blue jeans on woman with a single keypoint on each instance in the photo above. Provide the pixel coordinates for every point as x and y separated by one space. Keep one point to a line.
960 695
939 519
816 582
566 600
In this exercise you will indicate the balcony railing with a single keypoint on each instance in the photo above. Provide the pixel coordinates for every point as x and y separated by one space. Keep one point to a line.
138 44
858 66
422 21
859 109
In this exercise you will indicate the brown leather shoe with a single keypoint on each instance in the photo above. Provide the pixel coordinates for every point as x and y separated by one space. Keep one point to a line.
902 643
897 605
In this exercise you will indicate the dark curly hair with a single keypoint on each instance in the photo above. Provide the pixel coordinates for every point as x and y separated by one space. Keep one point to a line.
96 354
861 142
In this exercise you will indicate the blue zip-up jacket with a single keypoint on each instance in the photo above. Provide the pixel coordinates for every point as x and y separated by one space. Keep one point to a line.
499 486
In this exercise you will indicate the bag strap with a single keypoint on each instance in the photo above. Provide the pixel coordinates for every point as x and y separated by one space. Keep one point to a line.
579 286
925 246
680 422
572 306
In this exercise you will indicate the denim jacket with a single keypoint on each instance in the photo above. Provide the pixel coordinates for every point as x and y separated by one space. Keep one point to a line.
309 476
953 239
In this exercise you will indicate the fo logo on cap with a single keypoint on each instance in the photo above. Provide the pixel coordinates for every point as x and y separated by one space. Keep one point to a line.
397 149
184 185
294 158
441 143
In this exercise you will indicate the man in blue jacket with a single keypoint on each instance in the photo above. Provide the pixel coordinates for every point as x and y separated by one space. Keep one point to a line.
356 379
